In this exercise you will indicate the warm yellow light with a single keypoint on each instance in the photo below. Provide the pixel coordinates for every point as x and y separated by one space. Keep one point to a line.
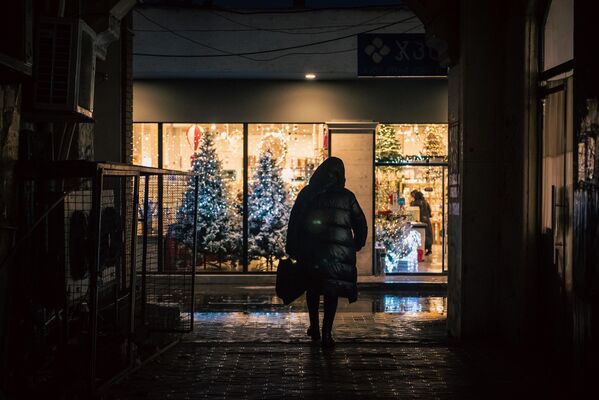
310 76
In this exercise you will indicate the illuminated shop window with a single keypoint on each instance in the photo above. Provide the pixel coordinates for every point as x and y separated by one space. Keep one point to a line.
145 144
281 160
215 151
411 142
410 198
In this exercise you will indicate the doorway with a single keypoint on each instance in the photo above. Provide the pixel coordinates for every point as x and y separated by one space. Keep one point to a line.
557 186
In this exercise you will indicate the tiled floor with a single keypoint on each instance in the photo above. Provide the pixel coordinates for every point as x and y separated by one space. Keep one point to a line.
245 345
301 371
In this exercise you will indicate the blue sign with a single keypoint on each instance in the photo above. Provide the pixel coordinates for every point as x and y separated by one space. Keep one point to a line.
397 54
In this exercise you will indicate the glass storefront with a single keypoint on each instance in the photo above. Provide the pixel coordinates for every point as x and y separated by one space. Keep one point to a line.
410 198
410 189
145 145
280 160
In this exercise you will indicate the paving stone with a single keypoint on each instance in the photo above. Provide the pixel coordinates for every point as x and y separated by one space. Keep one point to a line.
379 355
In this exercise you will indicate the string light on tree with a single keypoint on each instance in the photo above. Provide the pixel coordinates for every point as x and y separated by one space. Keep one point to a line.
387 146
268 211
433 145
216 236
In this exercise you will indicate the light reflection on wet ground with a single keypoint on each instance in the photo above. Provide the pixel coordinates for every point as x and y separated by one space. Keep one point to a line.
257 315
251 299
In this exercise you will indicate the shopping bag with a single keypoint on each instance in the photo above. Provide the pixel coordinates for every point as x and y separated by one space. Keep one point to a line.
291 280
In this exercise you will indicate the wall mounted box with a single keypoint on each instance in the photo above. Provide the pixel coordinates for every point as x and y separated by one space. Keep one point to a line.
64 68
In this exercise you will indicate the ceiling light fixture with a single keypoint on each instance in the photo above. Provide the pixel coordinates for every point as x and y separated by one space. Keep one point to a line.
310 76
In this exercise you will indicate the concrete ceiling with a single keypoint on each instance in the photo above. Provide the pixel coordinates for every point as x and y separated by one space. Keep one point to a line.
205 41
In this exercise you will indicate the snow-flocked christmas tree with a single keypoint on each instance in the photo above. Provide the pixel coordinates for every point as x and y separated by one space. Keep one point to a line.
387 145
216 234
268 211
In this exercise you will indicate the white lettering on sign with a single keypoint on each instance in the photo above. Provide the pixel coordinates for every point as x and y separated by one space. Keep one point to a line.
403 53
418 51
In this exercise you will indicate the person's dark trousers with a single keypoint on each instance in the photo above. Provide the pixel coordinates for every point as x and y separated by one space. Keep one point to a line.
330 308
428 242
312 300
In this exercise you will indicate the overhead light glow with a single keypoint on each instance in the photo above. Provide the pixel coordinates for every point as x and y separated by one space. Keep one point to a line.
310 76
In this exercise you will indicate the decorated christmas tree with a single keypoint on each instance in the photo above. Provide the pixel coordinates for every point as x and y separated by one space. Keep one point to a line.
216 234
268 211
433 145
387 145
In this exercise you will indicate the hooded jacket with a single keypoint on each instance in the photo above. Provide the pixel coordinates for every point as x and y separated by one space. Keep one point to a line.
326 229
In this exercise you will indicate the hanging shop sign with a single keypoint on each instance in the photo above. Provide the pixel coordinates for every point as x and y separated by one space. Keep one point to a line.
397 54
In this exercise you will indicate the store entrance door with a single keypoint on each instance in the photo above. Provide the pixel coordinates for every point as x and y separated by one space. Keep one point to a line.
353 142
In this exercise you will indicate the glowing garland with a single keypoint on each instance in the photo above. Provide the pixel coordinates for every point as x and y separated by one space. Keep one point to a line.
276 143
394 232
412 159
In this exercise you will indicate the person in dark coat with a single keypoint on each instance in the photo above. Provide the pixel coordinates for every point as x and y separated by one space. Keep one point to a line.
326 229
425 217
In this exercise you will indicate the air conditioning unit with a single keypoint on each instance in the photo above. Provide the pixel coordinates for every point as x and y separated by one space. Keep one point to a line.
64 67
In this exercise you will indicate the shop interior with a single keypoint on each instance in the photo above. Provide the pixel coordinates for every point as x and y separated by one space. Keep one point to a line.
409 234
280 160
410 160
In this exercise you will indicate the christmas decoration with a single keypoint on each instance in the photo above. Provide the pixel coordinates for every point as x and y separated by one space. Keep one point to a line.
268 211
412 160
394 233
217 237
433 142
387 145
194 133
276 142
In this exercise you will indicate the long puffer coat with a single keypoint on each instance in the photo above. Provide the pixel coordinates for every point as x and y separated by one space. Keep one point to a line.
326 229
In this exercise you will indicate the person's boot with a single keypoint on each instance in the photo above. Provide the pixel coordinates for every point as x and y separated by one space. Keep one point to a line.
314 333
327 340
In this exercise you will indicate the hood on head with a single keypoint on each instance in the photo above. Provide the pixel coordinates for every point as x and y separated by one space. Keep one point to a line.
417 195
330 173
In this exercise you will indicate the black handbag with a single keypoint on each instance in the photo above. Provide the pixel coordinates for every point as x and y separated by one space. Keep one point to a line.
291 280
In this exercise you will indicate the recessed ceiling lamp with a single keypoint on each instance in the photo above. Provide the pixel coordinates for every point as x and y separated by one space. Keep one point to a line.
310 76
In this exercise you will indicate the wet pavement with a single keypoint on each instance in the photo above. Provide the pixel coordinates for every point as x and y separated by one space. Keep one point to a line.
247 345
375 318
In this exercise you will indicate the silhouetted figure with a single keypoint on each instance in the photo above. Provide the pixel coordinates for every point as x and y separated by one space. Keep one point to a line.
425 217
326 229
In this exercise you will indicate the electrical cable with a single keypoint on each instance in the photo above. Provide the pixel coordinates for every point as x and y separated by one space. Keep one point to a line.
298 28
280 11
245 54
189 39
287 31
308 53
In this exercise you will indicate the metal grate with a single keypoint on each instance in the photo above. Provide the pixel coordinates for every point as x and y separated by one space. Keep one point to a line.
168 277
98 249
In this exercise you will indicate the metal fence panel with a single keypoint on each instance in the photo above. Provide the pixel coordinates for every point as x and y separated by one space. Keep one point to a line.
167 265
